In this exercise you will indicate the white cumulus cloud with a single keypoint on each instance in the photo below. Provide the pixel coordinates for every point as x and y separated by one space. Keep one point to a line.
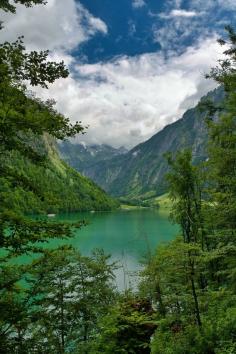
127 100
58 25
182 13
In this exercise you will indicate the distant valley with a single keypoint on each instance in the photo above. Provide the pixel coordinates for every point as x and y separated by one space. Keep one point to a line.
139 173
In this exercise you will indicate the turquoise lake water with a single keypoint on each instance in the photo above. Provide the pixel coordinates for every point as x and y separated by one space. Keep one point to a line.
126 235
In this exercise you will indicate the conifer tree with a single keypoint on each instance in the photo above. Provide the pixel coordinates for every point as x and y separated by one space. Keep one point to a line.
221 211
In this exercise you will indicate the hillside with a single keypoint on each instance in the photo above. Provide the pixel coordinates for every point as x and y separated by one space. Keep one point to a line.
82 157
140 172
61 188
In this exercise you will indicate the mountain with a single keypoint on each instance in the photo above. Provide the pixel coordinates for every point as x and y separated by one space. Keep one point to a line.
60 187
82 157
140 172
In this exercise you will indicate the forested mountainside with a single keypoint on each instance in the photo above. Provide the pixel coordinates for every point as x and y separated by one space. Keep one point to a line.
82 157
54 186
140 172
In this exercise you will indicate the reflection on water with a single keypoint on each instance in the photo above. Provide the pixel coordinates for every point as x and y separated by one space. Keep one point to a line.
128 236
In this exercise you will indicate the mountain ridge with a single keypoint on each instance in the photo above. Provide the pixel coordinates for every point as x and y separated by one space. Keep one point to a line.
140 172
81 156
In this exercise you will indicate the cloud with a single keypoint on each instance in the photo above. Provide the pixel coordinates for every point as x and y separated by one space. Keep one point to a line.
132 28
138 3
211 4
182 13
59 25
175 14
229 4
184 22
127 100
91 24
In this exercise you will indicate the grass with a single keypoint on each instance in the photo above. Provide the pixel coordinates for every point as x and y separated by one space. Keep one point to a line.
164 202
131 207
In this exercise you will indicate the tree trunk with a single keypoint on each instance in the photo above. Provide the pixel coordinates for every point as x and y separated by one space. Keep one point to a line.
195 298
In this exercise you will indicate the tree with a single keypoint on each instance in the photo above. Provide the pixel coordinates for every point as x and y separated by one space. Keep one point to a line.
204 205
63 297
24 118
186 187
222 168
126 328
8 6
186 193
73 295
21 119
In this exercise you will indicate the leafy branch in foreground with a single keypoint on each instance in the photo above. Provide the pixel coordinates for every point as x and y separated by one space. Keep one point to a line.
24 119
8 6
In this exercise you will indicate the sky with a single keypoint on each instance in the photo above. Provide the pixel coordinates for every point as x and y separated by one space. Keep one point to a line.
136 65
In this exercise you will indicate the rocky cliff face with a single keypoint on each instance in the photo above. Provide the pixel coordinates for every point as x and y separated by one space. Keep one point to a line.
140 172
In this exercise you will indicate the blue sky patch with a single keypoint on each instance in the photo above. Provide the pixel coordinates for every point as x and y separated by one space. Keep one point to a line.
151 26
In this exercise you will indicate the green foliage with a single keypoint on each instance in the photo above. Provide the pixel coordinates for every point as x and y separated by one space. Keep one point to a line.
215 336
8 6
222 171
22 116
29 183
186 192
126 328
192 282
51 187
17 65
58 306
34 179
167 283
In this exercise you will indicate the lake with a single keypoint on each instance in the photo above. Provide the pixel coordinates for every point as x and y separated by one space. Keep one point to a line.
126 235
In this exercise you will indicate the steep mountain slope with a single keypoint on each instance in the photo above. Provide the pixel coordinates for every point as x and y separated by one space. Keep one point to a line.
61 188
140 172
82 157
